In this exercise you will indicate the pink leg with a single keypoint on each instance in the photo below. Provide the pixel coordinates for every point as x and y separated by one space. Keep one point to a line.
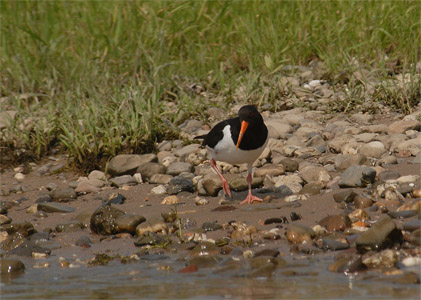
225 185
250 198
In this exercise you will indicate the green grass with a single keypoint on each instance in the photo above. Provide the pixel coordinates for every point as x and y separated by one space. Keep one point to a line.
96 77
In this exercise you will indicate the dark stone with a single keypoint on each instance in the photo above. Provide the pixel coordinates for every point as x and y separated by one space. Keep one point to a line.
388 175
11 267
103 220
151 239
357 176
267 252
211 226
329 243
83 241
412 225
55 207
23 229
344 196
44 198
128 223
119 199
69 227
63 195
294 216
381 235
27 248
402 214
336 223
347 263
179 184
273 221
224 208
362 202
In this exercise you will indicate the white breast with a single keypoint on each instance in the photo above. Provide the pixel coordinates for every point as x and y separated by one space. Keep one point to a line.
225 150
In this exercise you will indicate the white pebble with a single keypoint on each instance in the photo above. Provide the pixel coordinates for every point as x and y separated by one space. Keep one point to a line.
19 177
159 190
411 261
138 177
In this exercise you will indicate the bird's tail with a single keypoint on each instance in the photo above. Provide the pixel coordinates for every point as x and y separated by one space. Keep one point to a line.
200 137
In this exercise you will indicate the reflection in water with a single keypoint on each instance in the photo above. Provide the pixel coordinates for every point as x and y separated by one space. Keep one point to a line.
146 280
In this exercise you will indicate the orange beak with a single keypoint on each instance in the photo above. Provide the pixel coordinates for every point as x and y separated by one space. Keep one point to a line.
244 126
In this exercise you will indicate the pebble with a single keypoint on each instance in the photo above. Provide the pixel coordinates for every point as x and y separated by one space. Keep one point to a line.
361 201
201 201
103 220
55 207
11 267
63 195
152 225
381 235
383 259
123 164
159 190
211 226
336 222
160 179
180 184
347 263
149 169
128 222
373 149
84 187
357 176
84 242
344 196
179 167
123 180
97 175
298 234
170 200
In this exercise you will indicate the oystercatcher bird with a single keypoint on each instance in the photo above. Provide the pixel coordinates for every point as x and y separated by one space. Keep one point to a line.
236 141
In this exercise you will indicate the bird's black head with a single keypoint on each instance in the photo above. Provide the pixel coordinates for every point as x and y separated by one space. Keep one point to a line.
250 114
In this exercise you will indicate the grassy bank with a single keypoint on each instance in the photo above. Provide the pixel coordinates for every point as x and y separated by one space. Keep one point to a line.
99 78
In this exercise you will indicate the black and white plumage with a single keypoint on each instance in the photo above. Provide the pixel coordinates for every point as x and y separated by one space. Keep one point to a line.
236 141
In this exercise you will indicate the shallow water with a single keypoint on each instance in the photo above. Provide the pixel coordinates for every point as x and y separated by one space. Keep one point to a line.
300 279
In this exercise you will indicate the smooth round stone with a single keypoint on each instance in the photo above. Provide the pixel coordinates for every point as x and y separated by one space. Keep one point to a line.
344 196
170 200
128 223
19 177
336 222
212 185
159 190
24 229
298 234
55 207
11 266
186 150
333 244
405 188
97 175
239 184
63 195
373 149
361 202
388 160
153 225
211 226
85 187
103 220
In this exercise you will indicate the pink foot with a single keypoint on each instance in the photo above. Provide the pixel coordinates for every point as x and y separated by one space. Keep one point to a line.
250 198
226 188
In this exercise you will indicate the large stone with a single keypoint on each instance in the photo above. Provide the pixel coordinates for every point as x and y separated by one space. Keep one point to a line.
128 163
404 125
315 173
103 220
179 167
373 149
149 169
271 170
63 195
240 183
381 235
186 150
357 176
343 162
119 181
128 223
179 184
